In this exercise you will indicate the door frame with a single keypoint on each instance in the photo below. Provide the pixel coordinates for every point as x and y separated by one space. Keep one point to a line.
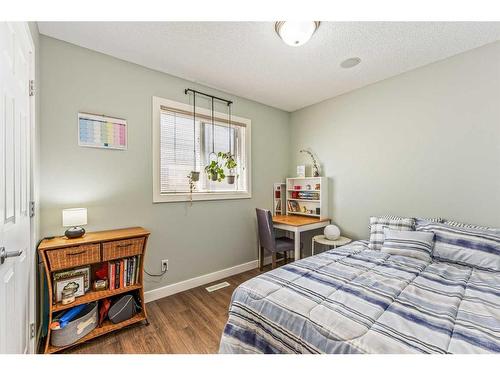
33 194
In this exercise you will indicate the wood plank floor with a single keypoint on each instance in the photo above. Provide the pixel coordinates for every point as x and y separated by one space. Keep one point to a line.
187 322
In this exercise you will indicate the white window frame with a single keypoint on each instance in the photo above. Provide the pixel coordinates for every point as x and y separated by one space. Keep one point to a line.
159 197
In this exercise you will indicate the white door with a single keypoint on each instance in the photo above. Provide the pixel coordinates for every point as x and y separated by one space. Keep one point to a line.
16 63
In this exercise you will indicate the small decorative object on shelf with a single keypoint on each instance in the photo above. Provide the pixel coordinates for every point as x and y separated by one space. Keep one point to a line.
74 284
316 172
100 285
301 171
68 296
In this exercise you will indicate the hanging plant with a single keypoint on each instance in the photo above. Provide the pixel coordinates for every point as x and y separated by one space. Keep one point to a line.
214 170
192 186
230 165
194 176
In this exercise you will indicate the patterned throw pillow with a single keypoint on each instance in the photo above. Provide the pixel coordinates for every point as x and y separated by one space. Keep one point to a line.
377 225
467 246
470 226
408 243
425 220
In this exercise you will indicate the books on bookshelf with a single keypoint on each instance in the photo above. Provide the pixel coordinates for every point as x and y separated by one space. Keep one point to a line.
123 272
279 196
309 195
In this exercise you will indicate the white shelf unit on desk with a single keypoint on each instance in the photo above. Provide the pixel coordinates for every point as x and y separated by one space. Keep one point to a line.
311 196
279 198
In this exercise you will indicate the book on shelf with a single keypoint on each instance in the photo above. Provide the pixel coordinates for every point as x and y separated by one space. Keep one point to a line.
117 274
123 272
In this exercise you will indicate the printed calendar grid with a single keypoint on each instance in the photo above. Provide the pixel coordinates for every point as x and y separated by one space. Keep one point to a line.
102 131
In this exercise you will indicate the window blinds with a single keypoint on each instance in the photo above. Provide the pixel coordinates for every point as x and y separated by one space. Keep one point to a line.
178 151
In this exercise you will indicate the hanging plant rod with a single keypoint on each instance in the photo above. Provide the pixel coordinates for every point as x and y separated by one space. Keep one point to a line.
228 102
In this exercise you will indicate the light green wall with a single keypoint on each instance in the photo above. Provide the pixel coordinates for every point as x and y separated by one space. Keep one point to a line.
424 143
116 186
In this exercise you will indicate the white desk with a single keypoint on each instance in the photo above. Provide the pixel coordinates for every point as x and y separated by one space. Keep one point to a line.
298 224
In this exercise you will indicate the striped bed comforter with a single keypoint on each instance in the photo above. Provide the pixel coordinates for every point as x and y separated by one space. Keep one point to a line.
355 300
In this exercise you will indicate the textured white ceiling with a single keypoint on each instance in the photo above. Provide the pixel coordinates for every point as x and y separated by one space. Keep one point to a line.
248 59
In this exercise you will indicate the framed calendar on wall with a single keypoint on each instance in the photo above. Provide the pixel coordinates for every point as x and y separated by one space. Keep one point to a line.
102 131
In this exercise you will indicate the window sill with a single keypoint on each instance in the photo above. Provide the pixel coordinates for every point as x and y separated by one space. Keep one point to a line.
186 197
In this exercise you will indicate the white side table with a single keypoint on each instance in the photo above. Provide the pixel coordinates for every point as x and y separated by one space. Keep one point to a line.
341 241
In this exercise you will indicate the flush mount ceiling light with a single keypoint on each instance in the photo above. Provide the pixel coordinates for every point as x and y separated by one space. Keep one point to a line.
350 63
296 33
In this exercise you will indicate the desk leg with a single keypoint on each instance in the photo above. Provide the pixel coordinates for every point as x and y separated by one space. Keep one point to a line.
297 244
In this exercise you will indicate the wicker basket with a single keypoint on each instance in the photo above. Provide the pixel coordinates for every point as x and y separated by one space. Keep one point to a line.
122 249
74 256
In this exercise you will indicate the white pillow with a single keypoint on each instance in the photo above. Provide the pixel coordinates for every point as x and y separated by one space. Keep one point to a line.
411 244
377 225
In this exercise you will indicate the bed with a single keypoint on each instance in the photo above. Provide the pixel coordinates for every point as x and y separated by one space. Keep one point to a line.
356 300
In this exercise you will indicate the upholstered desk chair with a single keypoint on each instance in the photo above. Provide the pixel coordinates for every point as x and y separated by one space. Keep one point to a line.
269 241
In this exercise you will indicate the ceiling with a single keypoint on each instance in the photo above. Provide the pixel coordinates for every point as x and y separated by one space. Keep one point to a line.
249 60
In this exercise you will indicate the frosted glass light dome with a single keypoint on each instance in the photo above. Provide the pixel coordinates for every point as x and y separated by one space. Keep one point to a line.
332 232
296 33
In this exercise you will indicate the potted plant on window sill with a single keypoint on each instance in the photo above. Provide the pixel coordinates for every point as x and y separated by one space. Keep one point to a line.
231 165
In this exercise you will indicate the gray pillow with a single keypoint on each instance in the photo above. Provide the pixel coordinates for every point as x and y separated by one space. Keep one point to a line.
411 244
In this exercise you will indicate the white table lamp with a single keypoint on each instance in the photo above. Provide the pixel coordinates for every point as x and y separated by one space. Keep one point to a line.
73 218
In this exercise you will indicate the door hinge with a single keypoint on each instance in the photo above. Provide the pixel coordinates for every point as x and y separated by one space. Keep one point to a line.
32 87
32 208
32 330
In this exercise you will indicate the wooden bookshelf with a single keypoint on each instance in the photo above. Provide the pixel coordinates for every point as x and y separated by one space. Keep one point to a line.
60 253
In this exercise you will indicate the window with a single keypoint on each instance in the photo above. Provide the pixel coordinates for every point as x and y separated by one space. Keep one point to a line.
181 146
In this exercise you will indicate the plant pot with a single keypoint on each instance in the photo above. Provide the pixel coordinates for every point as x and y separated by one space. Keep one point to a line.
213 176
230 179
195 176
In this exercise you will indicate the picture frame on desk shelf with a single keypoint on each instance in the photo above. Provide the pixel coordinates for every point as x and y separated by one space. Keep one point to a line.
77 283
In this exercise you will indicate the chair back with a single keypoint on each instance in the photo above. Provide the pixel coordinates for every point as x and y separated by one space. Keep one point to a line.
266 229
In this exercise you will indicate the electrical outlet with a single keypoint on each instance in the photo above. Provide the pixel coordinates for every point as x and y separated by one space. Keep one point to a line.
164 265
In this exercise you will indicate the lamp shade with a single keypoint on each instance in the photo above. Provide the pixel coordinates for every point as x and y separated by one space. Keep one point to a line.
73 217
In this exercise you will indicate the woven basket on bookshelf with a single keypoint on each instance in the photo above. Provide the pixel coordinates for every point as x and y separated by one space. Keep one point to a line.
74 256
122 249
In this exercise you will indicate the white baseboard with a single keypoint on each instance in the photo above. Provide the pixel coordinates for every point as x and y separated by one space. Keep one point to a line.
168 290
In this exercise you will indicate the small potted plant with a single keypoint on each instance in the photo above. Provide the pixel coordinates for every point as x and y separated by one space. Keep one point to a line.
214 170
194 176
231 165
192 185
